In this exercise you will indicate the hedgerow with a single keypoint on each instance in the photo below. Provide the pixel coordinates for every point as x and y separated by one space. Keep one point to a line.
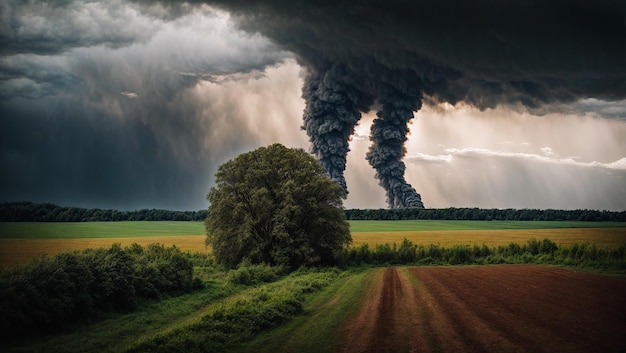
48 294
534 251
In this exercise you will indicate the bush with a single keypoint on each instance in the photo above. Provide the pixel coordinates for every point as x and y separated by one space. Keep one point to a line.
534 251
247 274
547 246
49 294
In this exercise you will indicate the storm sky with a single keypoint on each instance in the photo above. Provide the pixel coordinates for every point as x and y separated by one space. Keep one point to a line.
128 105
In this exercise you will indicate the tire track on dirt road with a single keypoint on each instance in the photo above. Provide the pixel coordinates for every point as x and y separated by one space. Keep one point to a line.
510 308
387 320
371 328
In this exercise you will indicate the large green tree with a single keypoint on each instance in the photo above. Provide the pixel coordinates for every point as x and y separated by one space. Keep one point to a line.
276 205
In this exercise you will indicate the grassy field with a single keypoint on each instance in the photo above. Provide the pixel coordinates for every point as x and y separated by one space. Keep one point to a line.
20 242
41 230
317 329
35 230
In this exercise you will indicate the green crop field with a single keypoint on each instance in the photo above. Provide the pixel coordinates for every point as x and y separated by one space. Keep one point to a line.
40 230
52 230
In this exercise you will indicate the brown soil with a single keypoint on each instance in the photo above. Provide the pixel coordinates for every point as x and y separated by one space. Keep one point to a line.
511 308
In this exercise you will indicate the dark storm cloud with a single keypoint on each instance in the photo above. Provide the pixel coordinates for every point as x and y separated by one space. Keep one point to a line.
32 76
52 27
49 27
480 52
103 149
41 39
100 105
74 155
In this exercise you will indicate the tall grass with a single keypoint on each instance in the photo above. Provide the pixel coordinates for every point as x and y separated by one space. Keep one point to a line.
317 329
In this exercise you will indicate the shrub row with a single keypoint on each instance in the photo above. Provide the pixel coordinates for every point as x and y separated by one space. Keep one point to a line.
48 294
534 251
241 317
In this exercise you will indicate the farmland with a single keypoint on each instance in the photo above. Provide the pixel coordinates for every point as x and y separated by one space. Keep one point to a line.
362 309
22 241
512 308
515 308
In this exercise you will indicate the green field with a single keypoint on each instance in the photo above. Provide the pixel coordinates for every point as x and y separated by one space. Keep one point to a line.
58 230
39 230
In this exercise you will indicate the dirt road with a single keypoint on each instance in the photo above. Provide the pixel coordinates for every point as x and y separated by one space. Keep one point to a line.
512 308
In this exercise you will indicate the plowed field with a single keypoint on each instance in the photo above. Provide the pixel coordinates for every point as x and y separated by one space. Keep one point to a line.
512 308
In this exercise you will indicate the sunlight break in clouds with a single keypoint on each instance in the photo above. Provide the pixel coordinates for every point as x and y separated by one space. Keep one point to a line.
129 95
501 158
548 157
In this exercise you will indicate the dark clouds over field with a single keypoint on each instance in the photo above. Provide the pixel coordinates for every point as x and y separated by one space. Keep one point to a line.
131 104
481 52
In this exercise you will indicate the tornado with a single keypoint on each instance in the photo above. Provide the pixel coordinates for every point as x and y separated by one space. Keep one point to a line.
334 100
388 135
333 109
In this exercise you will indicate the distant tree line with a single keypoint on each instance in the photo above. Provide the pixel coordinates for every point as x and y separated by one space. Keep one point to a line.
48 294
478 214
47 212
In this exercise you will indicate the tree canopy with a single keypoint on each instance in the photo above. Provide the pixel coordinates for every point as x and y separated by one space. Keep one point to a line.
276 205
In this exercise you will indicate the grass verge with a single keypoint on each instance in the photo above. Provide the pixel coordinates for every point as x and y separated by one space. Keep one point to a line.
115 332
241 317
315 330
